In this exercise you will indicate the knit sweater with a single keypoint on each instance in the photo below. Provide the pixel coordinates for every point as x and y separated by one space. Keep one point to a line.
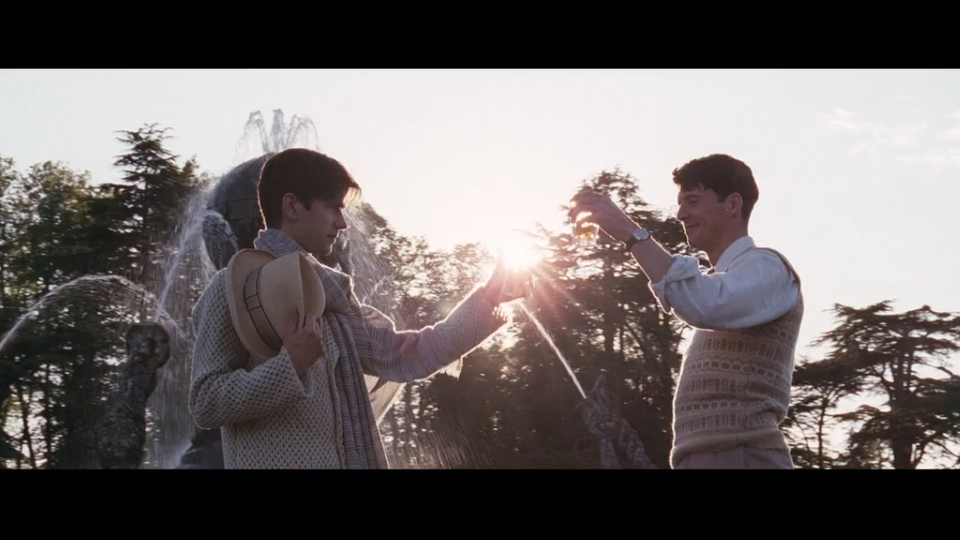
734 385
272 418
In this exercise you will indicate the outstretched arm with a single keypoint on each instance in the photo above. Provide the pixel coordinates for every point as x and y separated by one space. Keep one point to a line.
222 390
757 288
406 356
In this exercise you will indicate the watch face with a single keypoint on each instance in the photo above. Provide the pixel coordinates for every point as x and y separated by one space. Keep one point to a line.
641 234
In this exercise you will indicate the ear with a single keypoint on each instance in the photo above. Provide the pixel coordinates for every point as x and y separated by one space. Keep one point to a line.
734 203
289 207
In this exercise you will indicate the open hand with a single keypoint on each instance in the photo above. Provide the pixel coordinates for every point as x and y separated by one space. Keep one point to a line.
303 343
506 285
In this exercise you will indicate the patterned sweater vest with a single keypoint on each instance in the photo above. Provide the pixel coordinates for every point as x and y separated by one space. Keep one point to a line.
734 386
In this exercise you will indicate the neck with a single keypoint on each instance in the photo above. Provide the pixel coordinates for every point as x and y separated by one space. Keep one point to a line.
288 230
331 259
292 233
726 240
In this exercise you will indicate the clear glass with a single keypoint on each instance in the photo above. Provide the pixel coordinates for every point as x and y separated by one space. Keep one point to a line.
585 233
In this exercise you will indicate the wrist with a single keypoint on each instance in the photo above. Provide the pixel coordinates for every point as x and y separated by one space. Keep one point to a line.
626 232
639 235
487 295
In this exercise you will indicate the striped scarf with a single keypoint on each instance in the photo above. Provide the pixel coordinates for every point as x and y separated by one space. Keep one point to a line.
360 445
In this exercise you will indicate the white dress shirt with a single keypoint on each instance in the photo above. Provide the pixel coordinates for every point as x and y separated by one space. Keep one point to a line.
748 287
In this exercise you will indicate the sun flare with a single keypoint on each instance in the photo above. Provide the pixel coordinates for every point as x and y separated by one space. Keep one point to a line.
518 256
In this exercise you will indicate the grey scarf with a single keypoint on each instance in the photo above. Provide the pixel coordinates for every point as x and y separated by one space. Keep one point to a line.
361 444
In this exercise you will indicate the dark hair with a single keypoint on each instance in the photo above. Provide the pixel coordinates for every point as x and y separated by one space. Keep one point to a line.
724 175
308 175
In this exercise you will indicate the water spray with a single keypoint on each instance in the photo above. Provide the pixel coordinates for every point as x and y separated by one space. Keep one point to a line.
620 445
520 262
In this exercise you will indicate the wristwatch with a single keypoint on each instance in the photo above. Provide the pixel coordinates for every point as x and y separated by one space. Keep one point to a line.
638 235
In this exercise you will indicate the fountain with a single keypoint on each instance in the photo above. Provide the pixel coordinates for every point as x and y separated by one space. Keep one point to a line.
118 439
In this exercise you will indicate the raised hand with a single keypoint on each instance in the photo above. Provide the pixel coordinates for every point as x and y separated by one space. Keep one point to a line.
507 285
605 213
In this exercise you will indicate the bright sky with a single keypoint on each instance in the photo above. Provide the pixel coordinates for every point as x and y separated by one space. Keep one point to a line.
854 167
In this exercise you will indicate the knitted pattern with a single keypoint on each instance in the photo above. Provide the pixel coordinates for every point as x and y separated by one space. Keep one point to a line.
734 386
272 418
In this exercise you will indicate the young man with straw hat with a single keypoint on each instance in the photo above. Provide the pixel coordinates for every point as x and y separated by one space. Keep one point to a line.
283 343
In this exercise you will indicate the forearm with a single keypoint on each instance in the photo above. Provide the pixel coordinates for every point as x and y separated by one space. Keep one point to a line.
470 323
221 397
222 390
407 356
653 259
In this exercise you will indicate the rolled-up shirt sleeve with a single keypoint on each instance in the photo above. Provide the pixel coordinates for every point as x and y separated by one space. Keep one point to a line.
757 288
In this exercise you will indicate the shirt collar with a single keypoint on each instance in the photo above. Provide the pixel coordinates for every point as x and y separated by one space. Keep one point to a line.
733 251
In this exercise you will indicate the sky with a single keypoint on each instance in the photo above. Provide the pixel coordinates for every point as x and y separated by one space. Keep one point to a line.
857 169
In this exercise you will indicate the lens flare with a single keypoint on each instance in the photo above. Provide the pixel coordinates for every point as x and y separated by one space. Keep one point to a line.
517 256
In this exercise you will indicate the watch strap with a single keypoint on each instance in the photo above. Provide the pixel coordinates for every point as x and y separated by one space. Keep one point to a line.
628 245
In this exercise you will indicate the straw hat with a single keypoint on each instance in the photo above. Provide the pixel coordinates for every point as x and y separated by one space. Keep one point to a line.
261 289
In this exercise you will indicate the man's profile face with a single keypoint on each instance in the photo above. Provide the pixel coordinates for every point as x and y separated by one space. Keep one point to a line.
320 226
701 213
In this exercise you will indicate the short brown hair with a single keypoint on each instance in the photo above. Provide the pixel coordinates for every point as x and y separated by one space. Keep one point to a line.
724 175
308 175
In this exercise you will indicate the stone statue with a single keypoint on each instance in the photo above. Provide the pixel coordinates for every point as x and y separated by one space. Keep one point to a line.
620 446
121 435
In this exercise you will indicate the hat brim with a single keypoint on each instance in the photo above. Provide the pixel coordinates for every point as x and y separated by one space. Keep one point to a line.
239 267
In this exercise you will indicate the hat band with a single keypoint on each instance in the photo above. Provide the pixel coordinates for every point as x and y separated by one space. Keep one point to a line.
251 296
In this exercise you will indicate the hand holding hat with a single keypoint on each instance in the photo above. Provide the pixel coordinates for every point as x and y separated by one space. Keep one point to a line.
276 302
303 342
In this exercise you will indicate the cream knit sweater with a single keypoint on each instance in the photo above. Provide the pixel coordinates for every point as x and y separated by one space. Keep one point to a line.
734 386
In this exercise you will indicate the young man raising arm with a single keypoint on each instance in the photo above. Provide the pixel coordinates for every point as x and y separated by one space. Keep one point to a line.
734 385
